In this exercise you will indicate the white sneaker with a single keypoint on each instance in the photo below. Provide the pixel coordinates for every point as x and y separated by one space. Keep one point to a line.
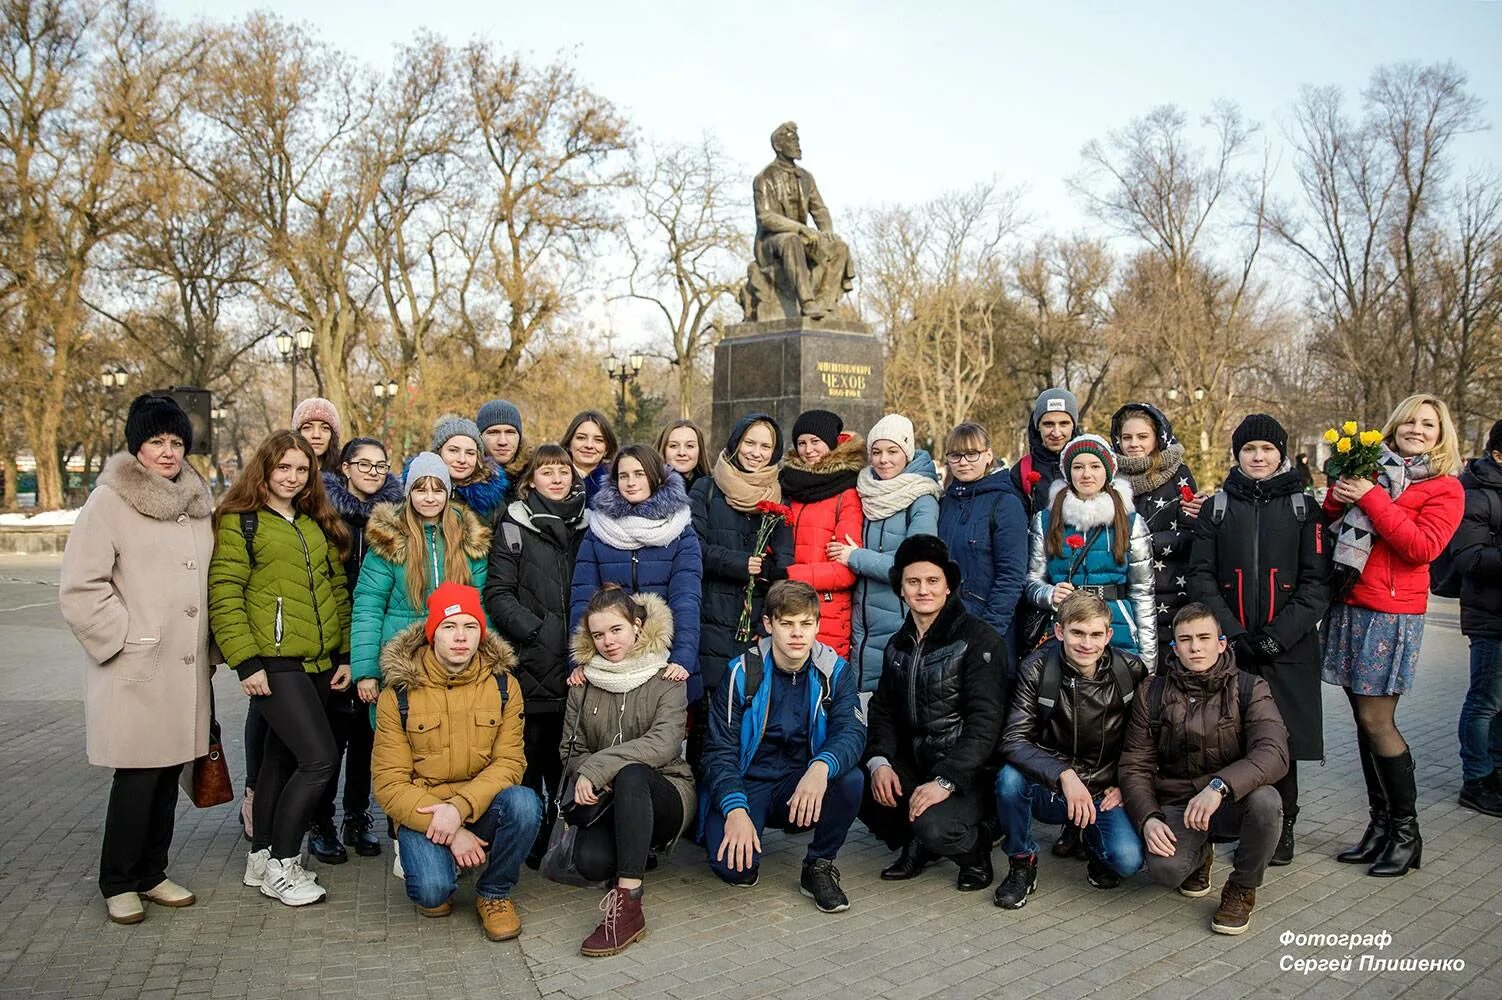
288 882
255 868
396 861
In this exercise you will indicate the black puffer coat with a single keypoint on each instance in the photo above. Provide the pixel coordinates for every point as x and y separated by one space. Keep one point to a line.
726 537
939 705
1158 497
1263 571
355 513
1477 549
527 598
1084 731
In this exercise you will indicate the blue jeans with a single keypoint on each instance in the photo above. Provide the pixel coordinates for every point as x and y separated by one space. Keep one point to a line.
1481 713
509 826
1111 839
767 802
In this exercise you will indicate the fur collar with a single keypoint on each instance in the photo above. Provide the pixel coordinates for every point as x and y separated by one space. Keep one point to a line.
849 456
654 642
669 499
1098 511
351 507
484 490
401 658
154 496
386 533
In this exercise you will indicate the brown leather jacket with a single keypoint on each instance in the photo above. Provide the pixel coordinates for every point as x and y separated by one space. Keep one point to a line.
1204 732
1084 731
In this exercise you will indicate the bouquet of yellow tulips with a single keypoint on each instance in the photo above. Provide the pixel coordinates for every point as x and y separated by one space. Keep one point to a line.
1358 453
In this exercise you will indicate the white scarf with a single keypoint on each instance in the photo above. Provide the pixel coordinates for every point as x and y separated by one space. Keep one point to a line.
881 498
633 532
627 675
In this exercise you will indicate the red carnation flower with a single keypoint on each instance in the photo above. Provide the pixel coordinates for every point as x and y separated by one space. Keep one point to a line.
1033 479
1075 541
1186 494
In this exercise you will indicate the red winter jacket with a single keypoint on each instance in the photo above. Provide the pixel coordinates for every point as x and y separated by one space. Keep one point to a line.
815 525
1411 532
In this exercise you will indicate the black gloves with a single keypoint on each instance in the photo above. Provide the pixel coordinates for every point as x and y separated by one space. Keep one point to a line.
1265 646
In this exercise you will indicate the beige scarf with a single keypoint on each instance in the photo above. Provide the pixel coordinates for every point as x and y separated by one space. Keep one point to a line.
744 490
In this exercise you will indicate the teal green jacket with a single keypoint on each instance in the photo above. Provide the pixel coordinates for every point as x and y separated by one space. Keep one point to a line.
381 607
292 603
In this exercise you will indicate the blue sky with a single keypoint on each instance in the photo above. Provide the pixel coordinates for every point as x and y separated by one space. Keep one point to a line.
902 100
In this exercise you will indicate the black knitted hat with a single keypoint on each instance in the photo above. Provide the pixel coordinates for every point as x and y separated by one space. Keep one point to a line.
822 424
1260 427
923 548
152 414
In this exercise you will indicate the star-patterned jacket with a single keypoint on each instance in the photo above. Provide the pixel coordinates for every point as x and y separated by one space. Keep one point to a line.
1172 533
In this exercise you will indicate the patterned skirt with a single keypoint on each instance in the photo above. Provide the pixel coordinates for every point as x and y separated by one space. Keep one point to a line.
1371 652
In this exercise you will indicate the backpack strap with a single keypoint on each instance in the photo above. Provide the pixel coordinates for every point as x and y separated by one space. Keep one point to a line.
1155 706
249 520
752 668
1048 684
512 534
401 697
1123 675
1218 507
1300 503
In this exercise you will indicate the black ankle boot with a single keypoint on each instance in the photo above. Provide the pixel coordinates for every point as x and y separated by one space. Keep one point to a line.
1405 847
975 868
1283 853
359 833
1375 837
323 842
909 864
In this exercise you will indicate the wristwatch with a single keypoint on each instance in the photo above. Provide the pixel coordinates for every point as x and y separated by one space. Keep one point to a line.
1221 787
945 784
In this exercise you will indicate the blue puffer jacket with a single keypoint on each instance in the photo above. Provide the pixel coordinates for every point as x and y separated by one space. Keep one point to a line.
836 729
612 552
878 609
985 528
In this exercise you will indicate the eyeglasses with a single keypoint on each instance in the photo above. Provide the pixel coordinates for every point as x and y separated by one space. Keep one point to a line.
368 467
956 457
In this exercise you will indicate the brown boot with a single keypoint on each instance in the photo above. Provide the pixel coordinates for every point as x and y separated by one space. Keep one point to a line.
499 918
1198 882
1235 913
623 924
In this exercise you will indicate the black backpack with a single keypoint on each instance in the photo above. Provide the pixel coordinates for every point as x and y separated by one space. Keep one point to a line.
1053 679
1218 502
1245 685
1444 579
755 669
401 697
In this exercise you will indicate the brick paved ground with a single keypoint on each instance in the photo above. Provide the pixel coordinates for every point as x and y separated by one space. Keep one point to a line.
908 941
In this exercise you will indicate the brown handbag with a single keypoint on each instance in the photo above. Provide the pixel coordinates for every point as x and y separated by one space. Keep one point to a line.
206 779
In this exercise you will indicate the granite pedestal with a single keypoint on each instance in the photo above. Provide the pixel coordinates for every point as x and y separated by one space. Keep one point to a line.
784 367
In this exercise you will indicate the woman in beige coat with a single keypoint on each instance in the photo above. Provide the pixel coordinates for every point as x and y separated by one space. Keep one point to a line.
135 593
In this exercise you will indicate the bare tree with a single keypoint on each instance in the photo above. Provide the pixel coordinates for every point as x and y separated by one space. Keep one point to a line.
82 92
687 252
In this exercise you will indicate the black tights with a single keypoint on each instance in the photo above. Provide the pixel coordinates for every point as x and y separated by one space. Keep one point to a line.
350 725
1376 719
1288 790
297 762
646 810
542 733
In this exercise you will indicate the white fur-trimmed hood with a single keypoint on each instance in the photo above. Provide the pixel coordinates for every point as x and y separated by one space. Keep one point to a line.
1098 511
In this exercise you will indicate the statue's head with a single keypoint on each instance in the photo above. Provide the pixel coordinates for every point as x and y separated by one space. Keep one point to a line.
785 141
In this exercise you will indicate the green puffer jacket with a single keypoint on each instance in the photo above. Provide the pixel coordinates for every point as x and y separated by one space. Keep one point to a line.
381 608
293 603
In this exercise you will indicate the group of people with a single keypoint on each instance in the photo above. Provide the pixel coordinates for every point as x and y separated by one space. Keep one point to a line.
573 655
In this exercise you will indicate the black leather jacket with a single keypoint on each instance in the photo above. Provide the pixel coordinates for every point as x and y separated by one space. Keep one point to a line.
1086 728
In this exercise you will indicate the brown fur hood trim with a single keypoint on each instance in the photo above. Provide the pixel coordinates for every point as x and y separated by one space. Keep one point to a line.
386 532
656 632
850 456
150 494
401 658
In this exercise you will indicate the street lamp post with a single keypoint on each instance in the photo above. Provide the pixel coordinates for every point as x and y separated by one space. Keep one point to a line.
219 414
623 370
385 391
113 378
294 348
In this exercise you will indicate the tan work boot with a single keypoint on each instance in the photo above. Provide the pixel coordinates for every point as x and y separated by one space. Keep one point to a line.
443 909
499 918
1198 882
1235 913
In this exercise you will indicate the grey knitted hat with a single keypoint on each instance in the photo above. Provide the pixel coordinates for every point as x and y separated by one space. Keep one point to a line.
426 464
450 427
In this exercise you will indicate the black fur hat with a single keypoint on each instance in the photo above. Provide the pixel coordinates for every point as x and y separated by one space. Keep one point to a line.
152 414
923 548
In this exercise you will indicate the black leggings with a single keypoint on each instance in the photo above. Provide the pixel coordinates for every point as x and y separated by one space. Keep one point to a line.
297 761
255 743
1288 790
646 811
353 737
542 735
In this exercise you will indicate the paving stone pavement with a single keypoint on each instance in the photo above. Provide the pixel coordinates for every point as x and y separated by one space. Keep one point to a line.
903 940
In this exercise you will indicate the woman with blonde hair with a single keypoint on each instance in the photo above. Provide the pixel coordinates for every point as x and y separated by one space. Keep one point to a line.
1386 534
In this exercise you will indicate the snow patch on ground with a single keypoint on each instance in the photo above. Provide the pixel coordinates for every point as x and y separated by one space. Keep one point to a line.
46 519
